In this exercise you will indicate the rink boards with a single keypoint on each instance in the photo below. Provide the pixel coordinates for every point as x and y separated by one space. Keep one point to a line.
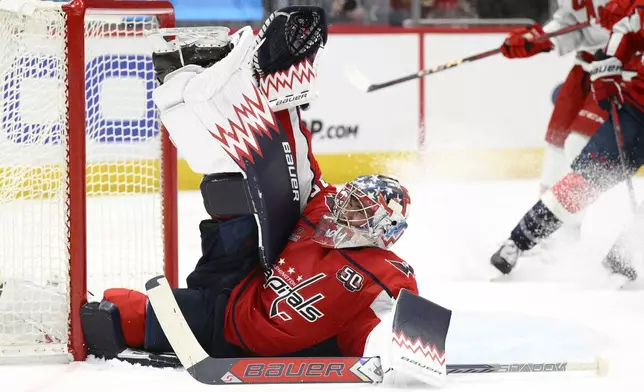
481 120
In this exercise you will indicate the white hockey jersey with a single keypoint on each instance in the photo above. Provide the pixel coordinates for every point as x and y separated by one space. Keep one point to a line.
571 12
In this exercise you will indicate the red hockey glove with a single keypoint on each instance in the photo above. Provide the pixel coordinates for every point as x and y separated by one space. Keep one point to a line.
522 42
606 81
613 12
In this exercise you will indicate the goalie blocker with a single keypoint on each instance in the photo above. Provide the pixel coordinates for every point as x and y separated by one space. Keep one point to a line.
411 341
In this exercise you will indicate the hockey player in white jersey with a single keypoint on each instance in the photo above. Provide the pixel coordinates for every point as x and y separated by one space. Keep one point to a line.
576 116
540 222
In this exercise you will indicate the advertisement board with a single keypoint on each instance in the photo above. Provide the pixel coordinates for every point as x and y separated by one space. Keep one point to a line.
485 119
344 119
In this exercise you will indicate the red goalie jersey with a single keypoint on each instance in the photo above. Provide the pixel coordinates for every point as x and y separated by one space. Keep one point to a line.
314 293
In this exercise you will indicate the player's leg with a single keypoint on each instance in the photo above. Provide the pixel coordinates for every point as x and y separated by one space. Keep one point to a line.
229 254
585 125
617 261
621 258
229 246
596 169
553 168
199 108
575 118
568 103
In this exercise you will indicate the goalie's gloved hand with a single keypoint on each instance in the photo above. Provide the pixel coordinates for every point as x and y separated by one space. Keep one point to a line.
606 82
201 54
523 42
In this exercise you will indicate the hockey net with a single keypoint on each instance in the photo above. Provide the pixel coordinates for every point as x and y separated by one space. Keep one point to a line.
87 175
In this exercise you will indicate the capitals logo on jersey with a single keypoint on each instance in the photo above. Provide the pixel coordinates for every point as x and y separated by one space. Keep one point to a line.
290 295
403 267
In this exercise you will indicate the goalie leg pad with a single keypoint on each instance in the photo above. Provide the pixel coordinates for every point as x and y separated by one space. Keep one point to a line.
101 324
225 194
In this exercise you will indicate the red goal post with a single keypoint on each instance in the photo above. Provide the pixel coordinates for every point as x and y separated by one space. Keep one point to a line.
88 177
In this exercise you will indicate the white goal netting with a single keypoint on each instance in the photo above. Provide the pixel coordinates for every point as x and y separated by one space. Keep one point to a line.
123 168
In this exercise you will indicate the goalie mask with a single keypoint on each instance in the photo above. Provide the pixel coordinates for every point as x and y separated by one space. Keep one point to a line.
370 211
286 63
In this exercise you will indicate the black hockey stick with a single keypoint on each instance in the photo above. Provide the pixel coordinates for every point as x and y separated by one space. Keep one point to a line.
614 259
619 137
361 82
208 370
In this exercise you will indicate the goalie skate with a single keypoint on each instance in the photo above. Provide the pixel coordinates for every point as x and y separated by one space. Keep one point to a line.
622 272
506 257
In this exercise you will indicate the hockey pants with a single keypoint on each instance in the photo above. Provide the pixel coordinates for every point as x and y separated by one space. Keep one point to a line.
599 161
229 254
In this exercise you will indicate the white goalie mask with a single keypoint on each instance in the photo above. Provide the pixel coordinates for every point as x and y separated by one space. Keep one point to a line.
285 64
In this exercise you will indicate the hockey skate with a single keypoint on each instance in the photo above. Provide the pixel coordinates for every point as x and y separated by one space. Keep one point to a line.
617 264
506 257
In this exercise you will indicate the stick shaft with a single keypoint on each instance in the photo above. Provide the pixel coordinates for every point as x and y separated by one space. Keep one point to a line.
542 367
475 57
619 137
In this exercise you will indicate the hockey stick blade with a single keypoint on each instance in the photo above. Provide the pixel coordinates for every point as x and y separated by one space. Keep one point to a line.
357 79
144 358
174 324
360 81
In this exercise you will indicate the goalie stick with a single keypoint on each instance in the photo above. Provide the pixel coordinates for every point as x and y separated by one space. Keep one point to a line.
208 370
363 84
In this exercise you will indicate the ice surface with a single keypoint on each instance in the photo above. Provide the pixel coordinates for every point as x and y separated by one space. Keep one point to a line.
558 306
